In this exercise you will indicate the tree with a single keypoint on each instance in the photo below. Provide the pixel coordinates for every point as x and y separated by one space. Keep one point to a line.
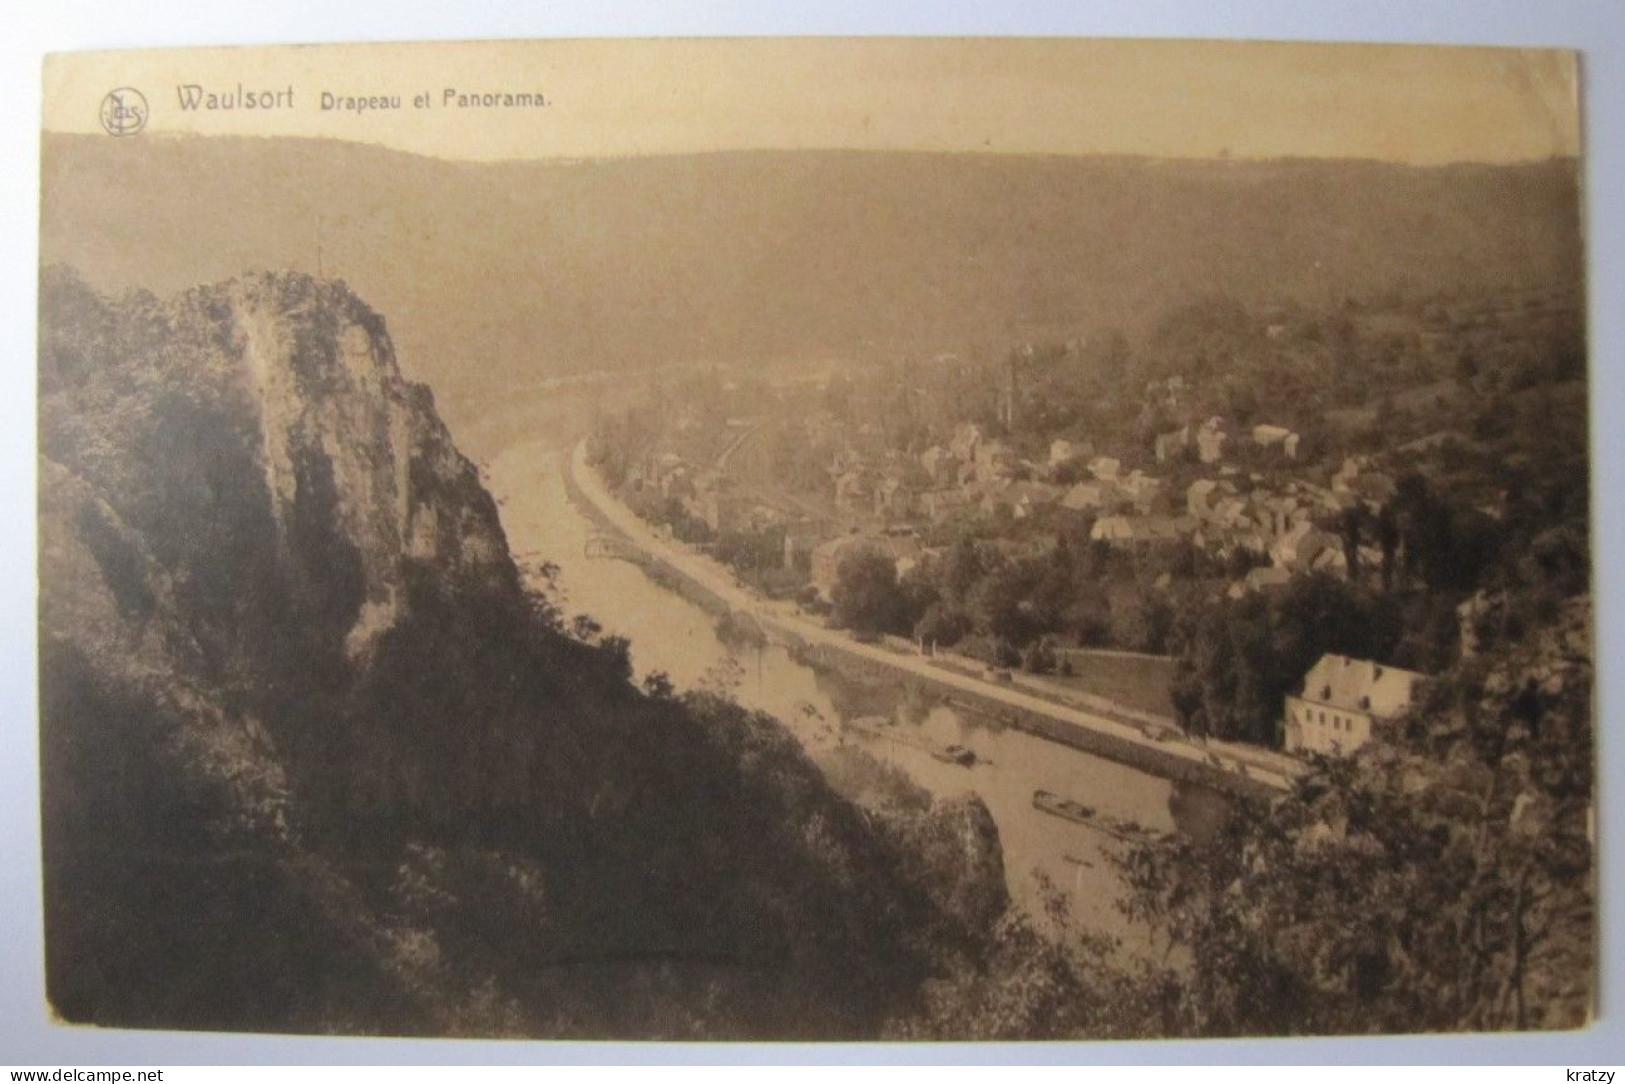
1040 657
1388 539
918 593
1140 620
942 625
1236 659
963 569
1004 608
866 596
1087 616
1049 982
1438 880
1350 526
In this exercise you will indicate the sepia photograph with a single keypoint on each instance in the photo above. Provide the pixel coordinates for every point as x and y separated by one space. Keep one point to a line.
819 539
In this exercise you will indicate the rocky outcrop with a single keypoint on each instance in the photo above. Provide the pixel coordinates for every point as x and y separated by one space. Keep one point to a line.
957 850
313 760
325 382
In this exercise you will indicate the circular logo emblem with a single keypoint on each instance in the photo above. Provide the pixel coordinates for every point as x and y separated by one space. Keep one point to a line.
124 111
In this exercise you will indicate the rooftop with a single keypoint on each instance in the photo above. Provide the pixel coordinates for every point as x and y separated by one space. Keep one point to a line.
1360 685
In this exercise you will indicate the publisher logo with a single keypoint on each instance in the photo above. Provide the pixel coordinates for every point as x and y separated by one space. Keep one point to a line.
124 111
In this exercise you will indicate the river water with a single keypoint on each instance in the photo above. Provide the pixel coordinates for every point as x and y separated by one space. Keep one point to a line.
668 633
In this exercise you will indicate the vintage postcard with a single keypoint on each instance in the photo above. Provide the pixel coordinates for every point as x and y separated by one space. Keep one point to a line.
816 539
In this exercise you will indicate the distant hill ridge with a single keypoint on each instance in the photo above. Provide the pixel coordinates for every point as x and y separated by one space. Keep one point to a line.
539 268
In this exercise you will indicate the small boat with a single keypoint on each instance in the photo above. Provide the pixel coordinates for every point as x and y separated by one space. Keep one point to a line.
874 724
954 754
1053 803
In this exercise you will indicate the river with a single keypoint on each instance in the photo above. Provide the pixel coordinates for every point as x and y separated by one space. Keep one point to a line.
670 634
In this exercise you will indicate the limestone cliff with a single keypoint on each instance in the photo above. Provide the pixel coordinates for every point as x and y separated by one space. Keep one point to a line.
313 760
297 381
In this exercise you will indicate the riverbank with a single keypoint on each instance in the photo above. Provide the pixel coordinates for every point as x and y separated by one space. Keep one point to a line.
1134 751
1248 773
662 572
675 628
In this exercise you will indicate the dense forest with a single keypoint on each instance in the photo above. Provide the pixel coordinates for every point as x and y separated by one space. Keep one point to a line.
499 275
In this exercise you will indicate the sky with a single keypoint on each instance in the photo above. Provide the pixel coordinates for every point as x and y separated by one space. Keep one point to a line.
1413 104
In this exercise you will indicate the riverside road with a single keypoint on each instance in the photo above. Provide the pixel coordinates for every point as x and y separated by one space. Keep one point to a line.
784 618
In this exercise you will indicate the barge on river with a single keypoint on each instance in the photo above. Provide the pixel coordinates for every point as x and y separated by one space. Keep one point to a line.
1104 823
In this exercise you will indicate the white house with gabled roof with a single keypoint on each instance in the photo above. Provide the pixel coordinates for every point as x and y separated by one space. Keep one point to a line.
1341 702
